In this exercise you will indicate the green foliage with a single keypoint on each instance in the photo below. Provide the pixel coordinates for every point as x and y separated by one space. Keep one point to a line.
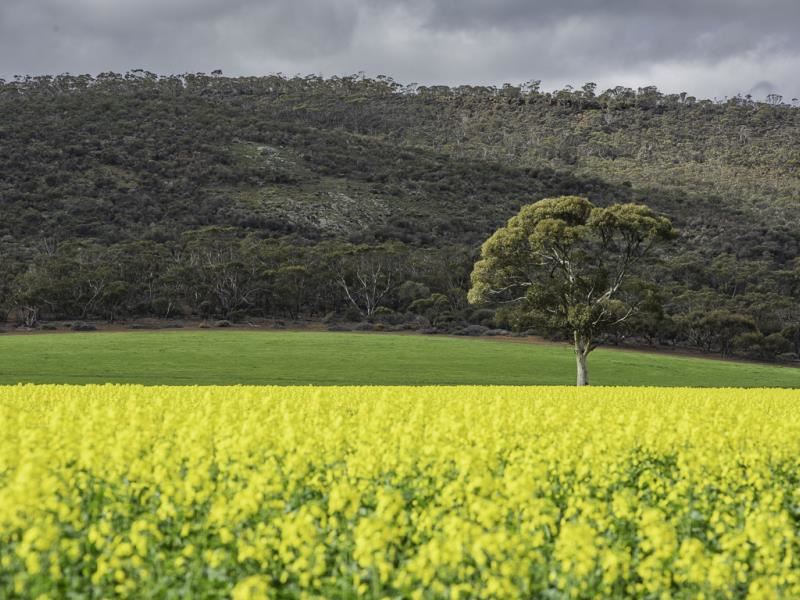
722 330
564 263
210 196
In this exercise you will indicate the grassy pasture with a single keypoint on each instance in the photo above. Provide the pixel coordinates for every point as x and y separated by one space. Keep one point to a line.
327 358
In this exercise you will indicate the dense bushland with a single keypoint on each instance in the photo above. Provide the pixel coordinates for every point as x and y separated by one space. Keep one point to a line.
350 198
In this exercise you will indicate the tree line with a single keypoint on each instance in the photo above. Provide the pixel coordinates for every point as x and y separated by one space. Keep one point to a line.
214 275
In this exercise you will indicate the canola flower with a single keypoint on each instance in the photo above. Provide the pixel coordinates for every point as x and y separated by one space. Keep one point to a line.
397 492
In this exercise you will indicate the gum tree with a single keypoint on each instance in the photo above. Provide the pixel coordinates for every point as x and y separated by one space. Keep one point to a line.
563 263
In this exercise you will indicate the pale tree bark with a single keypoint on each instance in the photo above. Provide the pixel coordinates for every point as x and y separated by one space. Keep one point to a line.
582 349
30 315
368 280
583 373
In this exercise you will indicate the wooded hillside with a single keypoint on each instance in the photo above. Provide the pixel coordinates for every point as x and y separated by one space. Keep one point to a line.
201 195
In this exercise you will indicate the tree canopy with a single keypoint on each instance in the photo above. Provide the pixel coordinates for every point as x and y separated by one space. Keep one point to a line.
563 262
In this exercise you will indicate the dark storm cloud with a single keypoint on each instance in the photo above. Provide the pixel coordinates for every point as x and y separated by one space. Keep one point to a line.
45 36
516 13
705 29
707 47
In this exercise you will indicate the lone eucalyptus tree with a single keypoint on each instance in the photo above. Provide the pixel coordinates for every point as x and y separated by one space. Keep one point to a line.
563 262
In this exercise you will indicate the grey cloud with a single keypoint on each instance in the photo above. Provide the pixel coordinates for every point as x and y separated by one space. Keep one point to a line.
706 47
166 35
654 29
762 88
520 13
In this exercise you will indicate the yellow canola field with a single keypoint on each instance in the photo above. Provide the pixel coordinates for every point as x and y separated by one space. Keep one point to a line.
398 492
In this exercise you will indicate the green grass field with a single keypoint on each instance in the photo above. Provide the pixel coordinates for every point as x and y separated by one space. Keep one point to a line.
322 358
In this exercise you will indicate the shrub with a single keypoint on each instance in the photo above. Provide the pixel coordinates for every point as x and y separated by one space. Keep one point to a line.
410 291
386 315
429 330
237 316
351 313
775 344
483 316
750 344
472 330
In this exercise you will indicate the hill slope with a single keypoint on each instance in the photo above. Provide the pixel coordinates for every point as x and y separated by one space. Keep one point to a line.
185 184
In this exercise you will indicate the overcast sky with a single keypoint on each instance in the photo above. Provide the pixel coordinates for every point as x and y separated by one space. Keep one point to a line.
709 48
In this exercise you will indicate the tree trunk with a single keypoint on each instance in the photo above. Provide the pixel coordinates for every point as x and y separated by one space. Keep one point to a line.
30 315
581 351
583 374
